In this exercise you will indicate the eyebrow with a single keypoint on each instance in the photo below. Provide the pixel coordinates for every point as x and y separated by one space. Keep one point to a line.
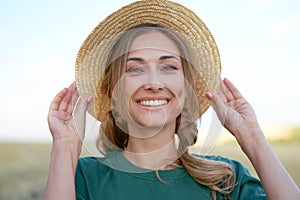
160 58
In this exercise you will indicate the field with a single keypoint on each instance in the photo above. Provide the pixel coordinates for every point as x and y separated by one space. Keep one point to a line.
24 167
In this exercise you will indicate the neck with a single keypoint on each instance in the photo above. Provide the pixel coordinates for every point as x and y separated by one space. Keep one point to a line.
156 150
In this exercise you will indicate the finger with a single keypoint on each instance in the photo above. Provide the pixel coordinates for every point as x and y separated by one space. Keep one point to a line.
57 99
59 115
233 90
81 106
80 114
218 104
64 104
74 99
226 92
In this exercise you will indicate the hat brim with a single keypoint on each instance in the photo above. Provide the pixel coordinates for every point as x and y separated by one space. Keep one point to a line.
91 58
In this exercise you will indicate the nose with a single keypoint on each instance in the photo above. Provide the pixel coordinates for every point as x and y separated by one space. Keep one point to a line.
154 86
153 80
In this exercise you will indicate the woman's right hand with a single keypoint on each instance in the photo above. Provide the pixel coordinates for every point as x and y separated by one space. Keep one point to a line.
67 121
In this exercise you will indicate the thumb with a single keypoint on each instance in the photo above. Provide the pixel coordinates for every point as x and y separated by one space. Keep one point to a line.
79 114
82 105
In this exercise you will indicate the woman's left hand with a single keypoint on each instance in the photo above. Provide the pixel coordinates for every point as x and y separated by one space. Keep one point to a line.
239 118
235 113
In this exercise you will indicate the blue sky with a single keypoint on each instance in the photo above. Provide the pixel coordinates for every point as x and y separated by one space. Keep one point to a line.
258 42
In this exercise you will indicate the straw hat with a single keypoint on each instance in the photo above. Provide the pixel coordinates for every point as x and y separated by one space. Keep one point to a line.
91 58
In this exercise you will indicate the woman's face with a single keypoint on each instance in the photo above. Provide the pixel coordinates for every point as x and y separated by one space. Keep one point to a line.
153 83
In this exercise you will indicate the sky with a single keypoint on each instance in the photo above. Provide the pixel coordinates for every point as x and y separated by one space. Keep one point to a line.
258 42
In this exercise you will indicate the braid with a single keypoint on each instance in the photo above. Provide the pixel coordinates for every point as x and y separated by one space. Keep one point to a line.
218 176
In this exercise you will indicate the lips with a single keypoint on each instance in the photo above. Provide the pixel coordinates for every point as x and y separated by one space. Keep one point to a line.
153 103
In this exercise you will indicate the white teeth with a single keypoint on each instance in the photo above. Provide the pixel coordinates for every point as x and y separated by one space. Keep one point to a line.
153 102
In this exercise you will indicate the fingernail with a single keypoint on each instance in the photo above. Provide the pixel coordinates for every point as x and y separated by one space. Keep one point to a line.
90 98
209 95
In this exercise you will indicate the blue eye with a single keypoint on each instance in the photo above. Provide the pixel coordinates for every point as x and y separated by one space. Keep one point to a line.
135 69
169 68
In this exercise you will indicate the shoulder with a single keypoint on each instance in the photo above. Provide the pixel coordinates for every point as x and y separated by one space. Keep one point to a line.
89 160
247 186
89 164
237 166
89 170
89 167
216 158
241 171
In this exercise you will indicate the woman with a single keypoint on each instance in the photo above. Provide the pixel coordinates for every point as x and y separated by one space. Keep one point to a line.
154 84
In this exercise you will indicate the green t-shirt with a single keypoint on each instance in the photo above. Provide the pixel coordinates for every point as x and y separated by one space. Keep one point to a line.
102 179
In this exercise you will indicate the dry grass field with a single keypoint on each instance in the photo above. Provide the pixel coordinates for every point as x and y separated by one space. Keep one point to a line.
24 167
23 170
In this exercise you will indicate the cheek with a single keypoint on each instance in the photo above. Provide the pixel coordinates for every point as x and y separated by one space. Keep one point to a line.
120 94
177 85
127 90
130 85
184 92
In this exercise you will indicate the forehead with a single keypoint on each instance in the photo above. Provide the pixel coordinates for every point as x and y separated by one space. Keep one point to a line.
154 41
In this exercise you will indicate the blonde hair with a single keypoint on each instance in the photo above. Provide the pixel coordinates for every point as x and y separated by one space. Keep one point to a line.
218 176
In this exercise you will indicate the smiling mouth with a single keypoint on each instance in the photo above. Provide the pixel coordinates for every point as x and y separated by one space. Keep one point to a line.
153 103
